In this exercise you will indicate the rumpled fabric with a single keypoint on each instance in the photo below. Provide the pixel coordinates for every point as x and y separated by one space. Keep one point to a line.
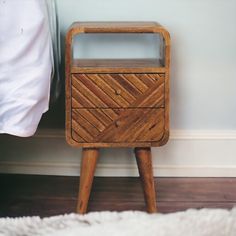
26 62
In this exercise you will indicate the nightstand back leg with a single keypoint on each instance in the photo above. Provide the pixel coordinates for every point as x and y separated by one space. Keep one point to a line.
88 166
144 161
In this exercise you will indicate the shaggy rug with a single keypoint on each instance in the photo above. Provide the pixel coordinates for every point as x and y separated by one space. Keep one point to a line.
203 222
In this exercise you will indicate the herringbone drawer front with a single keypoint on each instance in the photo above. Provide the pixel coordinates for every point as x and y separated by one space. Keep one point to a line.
117 90
117 125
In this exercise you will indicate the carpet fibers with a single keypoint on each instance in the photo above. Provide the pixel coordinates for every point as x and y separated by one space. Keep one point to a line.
204 222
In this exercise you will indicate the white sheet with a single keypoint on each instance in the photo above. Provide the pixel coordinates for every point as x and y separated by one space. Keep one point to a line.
25 65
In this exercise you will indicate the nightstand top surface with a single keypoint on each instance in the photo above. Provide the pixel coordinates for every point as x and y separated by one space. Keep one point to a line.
117 27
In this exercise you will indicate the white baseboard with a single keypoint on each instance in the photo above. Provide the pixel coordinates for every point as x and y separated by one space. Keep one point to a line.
188 154
72 169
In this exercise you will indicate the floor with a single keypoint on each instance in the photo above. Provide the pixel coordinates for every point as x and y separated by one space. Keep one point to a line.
27 195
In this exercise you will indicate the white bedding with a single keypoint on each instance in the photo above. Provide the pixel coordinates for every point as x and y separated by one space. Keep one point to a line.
25 65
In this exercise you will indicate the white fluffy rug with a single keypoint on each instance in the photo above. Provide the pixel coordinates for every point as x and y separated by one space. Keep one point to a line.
203 222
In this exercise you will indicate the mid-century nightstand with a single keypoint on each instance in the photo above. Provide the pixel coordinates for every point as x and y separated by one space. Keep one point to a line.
117 103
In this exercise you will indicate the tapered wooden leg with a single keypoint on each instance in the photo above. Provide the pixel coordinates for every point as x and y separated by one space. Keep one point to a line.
88 166
144 161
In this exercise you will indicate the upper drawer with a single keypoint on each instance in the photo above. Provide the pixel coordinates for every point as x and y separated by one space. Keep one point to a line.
117 90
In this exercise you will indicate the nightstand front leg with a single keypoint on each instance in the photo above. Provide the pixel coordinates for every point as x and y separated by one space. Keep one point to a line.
88 166
144 161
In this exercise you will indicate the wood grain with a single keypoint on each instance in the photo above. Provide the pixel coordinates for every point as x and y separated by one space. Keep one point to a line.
116 27
144 161
87 170
129 125
117 102
117 66
117 90
115 83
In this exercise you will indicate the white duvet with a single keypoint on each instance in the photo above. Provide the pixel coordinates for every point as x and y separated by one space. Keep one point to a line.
25 65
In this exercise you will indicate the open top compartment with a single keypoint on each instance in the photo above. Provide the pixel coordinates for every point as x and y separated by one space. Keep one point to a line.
128 65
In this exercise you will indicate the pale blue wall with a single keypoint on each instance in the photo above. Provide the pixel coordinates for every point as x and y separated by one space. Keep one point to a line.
203 78
117 46
203 91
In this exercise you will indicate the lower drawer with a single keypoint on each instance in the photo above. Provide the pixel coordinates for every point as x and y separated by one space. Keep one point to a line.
133 125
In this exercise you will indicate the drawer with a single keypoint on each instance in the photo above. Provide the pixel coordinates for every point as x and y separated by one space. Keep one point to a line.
117 125
117 90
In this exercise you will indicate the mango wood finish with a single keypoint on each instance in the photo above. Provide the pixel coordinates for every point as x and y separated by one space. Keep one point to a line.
88 166
128 125
117 102
116 27
117 90
144 161
117 66
104 83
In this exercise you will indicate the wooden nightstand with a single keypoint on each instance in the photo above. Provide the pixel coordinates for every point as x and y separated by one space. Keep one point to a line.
117 103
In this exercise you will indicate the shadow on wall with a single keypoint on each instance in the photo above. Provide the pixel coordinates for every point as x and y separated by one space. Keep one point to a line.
54 118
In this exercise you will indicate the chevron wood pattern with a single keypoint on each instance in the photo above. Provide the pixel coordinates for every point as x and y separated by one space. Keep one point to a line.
117 90
128 125
117 103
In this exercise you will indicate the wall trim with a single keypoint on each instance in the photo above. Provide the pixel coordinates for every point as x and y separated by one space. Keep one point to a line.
73 169
174 134
203 144
203 134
